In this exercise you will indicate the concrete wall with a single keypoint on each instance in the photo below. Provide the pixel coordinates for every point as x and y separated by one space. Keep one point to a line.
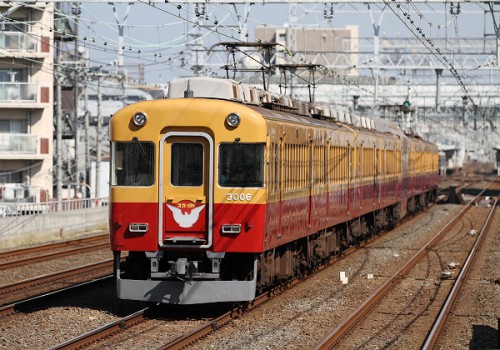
18 231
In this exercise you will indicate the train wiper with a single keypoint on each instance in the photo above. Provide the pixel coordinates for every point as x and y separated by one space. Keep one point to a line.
141 149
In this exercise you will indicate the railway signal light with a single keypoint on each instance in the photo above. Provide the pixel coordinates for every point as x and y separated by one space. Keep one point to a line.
355 102
406 107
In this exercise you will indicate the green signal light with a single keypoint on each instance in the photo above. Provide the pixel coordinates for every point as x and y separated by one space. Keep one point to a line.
406 107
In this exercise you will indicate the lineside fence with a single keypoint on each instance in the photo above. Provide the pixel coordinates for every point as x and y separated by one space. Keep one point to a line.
20 208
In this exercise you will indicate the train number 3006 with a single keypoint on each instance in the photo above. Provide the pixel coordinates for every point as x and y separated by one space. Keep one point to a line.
235 197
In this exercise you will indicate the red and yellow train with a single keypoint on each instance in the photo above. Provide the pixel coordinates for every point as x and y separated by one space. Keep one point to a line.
222 189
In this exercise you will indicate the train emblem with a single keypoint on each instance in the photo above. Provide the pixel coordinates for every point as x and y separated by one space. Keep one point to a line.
186 213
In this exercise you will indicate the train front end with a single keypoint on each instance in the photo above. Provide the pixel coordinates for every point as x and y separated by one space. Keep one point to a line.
187 200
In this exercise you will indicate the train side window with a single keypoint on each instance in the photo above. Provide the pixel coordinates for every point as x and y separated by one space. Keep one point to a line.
132 163
275 179
186 164
286 167
241 165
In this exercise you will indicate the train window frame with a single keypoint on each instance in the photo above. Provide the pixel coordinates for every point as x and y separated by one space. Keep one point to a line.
133 175
190 175
236 166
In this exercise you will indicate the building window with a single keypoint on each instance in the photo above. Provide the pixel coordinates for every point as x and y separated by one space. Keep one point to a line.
13 126
15 26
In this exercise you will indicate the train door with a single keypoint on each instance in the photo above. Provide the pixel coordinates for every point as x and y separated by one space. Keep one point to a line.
281 184
360 186
349 176
310 179
328 175
403 164
356 177
185 190
378 170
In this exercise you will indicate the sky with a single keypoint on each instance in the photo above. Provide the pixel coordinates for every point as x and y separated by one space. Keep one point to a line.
156 36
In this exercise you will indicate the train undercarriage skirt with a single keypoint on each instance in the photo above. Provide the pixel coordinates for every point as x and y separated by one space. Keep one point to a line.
186 292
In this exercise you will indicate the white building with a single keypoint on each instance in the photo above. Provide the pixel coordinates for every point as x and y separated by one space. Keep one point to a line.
26 101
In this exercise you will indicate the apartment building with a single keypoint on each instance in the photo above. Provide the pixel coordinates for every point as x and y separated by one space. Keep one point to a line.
26 102
331 47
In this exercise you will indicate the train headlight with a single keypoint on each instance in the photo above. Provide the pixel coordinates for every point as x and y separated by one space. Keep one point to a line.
138 227
140 119
233 120
231 229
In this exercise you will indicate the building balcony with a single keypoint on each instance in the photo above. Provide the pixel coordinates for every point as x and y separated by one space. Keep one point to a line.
23 146
24 45
23 95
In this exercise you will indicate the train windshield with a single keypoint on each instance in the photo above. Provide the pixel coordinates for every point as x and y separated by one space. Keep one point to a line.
133 163
241 165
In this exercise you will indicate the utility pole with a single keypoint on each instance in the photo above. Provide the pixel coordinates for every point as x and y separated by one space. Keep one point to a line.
121 33
58 127
439 73
121 72
86 133
86 114
465 102
98 138
376 46
76 10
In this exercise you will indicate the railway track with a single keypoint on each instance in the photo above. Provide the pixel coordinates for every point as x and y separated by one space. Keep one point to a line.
21 257
40 285
34 302
441 320
147 319
186 337
480 289
393 310
126 325
104 331
175 334
173 331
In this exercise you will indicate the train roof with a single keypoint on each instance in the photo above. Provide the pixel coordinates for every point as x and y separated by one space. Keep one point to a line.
230 90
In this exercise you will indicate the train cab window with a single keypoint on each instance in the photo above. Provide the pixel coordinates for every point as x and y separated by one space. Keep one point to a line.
187 164
132 163
241 165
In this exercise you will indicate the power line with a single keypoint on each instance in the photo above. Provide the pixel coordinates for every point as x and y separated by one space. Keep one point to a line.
428 43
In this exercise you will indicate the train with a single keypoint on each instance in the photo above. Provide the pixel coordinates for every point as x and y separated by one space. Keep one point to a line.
223 190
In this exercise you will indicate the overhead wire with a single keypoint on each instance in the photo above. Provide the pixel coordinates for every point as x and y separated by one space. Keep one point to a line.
157 48
150 61
96 47
137 43
428 43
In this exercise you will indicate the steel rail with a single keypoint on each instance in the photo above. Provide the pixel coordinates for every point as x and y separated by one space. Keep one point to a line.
51 256
440 322
49 278
104 331
209 327
197 333
341 330
41 248
35 301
